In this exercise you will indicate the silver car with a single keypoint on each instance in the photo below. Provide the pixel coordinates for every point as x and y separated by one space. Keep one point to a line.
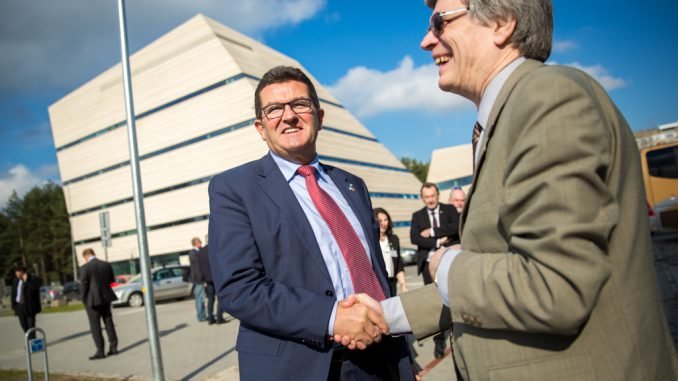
664 216
169 282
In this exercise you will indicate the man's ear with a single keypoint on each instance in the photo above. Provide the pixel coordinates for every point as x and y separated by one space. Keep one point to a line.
260 128
321 115
503 30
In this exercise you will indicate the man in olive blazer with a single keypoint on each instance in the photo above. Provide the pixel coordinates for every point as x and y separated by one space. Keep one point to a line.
554 279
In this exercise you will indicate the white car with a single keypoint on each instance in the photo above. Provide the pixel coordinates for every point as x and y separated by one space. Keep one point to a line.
169 282
664 216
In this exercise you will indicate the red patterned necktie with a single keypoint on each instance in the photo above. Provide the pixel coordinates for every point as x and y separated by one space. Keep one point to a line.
363 278
477 129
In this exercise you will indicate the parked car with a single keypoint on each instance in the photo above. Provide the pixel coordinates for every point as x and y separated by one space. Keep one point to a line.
120 279
49 293
71 291
168 283
408 256
664 216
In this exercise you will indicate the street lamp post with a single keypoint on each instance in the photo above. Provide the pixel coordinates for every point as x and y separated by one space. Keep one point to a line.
151 319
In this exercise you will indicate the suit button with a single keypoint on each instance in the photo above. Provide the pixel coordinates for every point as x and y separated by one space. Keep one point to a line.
329 293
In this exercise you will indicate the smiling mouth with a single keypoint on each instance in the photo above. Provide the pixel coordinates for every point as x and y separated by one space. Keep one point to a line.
441 60
291 130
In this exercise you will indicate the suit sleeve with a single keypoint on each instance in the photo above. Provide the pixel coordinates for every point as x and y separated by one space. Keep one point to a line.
557 213
450 228
415 233
84 284
245 289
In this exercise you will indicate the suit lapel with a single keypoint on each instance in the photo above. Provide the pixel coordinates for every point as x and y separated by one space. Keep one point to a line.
498 106
273 183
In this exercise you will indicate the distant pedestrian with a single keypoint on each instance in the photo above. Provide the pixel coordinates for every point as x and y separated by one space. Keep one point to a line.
97 295
206 270
26 298
196 277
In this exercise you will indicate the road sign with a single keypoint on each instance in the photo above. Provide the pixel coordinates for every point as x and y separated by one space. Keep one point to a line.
105 225
37 345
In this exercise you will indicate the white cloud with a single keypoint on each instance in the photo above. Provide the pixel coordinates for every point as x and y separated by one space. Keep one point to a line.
19 179
368 92
562 46
61 44
601 75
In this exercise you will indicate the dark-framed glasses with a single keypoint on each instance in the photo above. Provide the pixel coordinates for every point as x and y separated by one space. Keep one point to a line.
276 110
438 19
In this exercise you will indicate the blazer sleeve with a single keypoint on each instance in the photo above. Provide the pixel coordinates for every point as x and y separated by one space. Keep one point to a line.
450 225
245 289
557 214
397 261
418 225
84 283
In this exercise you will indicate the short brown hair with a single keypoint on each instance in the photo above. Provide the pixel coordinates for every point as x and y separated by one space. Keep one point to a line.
429 185
88 251
280 74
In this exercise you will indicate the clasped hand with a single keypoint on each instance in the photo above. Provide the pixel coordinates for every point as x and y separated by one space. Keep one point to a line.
359 322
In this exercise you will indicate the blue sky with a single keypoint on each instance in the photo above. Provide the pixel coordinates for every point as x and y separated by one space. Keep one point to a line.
361 50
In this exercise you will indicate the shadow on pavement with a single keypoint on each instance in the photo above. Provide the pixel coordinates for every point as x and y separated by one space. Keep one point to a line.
207 365
161 334
69 337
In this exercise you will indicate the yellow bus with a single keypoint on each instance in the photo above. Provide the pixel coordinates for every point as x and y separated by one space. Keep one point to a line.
660 174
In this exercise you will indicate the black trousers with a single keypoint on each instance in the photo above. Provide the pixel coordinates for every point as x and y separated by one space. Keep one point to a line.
26 320
378 362
95 315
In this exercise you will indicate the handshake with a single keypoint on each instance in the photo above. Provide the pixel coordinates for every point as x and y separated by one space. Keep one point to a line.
359 322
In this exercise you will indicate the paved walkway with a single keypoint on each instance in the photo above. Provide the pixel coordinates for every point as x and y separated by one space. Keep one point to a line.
197 351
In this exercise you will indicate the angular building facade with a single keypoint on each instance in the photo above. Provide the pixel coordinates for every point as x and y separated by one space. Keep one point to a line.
451 167
193 98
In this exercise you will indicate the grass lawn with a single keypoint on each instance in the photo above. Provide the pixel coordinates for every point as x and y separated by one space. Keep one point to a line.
22 375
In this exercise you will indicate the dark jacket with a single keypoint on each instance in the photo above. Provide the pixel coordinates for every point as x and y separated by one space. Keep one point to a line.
31 292
195 275
204 263
96 277
449 228
394 242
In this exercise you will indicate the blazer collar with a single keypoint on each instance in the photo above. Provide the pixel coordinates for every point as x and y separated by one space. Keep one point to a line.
276 187
498 106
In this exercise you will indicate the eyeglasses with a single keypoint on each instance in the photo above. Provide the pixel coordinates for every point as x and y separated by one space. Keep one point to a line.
438 19
276 110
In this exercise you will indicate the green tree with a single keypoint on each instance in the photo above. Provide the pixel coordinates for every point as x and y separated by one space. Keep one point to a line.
36 233
418 168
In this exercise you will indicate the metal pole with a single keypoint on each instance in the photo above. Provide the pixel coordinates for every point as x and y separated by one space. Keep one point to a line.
73 253
151 319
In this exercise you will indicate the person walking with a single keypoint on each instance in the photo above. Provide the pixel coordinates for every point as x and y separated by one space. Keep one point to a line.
97 295
25 298
197 278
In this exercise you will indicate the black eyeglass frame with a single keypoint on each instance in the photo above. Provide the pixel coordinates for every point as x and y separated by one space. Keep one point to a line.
309 104
438 19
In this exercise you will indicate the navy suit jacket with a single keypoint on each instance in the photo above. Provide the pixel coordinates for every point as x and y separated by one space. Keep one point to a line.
270 274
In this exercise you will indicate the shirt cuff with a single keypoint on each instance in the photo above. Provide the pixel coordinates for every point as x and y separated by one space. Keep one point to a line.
442 273
395 317
333 316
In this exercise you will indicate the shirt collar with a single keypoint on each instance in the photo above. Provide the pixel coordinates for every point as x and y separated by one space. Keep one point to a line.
289 169
492 91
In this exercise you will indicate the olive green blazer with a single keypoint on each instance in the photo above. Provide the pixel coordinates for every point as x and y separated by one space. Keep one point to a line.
556 278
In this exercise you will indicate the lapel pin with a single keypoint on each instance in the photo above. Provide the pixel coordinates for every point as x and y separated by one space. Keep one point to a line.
351 187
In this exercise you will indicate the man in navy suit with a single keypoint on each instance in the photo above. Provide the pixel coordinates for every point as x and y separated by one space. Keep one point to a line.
290 238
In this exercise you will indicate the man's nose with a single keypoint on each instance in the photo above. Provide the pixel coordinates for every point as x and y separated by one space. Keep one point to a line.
289 115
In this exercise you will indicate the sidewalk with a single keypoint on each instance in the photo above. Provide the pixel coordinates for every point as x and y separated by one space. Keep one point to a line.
197 351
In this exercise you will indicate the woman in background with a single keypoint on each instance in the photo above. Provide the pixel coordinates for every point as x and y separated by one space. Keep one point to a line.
390 249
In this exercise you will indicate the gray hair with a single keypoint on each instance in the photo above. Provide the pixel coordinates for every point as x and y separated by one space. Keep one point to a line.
534 22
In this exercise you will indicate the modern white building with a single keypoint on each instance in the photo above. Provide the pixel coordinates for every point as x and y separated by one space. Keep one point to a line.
193 92
451 167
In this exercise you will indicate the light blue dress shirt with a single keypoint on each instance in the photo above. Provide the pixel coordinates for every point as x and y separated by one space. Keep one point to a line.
334 259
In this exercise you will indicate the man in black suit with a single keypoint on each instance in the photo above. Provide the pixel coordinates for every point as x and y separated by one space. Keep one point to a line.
433 226
96 277
26 298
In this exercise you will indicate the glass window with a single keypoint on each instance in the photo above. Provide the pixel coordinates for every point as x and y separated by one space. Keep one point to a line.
663 162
